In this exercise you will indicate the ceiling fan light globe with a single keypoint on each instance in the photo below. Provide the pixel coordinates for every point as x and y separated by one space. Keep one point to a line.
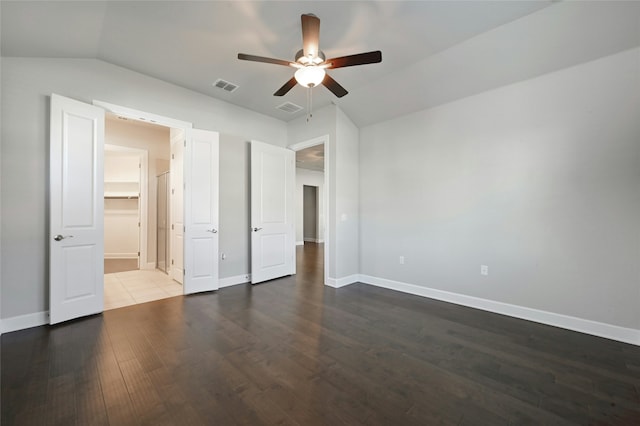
310 76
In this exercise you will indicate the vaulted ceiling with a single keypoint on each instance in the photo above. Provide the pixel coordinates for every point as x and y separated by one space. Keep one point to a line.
433 51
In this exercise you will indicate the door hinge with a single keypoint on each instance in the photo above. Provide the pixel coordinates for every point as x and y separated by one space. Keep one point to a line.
173 191
172 261
184 229
138 254
139 165
185 142
138 224
184 272
172 226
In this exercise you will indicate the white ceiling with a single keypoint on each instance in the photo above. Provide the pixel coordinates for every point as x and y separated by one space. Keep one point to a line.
311 158
433 51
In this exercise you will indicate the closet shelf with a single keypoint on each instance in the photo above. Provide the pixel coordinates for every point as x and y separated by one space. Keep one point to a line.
122 195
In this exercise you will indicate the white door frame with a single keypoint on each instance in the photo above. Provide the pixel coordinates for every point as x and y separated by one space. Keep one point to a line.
142 199
325 196
147 117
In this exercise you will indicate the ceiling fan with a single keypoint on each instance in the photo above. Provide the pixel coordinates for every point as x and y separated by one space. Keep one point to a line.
311 63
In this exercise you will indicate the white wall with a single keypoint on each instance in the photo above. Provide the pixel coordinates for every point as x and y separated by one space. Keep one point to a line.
26 85
311 178
538 180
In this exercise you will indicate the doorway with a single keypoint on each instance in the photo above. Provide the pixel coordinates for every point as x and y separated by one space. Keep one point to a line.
123 218
311 206
136 152
76 205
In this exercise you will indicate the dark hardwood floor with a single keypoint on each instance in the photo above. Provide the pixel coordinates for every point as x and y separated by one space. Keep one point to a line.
294 352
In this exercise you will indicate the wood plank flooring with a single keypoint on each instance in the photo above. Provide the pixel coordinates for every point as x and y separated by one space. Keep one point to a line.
293 352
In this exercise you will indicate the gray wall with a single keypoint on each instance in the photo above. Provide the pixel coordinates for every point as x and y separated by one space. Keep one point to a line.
538 180
310 212
341 153
347 196
26 85
300 130
235 241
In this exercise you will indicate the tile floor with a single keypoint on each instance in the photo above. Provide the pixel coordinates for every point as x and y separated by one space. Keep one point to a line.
132 287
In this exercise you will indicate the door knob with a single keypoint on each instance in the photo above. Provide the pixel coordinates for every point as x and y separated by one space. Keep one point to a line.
256 229
62 237
212 230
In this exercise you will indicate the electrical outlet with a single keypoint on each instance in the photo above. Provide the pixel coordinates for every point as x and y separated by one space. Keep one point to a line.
402 260
484 270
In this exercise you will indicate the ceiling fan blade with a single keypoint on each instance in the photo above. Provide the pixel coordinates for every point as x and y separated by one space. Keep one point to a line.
310 35
254 58
334 86
286 87
358 59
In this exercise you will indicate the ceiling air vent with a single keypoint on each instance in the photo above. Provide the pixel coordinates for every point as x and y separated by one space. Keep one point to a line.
289 107
225 85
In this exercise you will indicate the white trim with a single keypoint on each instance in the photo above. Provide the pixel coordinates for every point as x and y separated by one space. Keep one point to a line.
341 282
230 281
22 322
608 331
309 143
327 199
143 115
121 255
299 243
149 266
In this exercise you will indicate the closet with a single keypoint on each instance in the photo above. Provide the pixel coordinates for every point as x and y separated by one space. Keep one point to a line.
122 206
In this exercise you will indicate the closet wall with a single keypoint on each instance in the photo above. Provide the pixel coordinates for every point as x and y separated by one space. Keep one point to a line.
155 140
121 204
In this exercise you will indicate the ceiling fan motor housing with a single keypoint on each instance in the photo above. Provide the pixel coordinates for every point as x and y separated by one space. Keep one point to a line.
301 59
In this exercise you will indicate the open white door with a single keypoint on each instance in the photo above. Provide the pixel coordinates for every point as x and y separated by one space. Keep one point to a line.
178 144
76 268
201 212
272 212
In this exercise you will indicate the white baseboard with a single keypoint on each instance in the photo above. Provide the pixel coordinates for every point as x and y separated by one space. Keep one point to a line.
121 255
299 243
22 322
341 282
150 266
238 279
608 331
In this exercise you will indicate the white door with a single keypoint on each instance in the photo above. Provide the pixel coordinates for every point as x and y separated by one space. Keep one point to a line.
178 142
201 212
272 212
76 204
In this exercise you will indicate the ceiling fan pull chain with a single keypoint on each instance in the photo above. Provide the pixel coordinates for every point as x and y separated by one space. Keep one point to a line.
309 103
